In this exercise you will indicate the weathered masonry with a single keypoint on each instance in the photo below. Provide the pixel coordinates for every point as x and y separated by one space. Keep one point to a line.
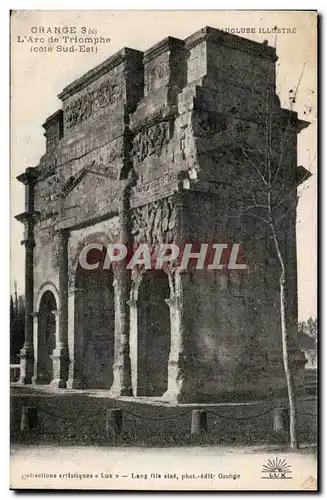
145 149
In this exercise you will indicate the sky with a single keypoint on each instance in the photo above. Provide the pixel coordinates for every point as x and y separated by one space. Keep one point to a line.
38 77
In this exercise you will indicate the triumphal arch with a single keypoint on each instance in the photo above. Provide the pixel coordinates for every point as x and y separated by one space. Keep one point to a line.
145 149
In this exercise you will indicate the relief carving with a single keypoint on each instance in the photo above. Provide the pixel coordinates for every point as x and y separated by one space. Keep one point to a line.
144 190
154 76
150 141
46 195
154 223
99 170
91 103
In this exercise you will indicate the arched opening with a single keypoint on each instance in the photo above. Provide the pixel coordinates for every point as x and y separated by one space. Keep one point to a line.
153 334
46 337
94 323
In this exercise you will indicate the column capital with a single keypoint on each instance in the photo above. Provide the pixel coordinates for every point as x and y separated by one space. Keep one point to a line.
28 177
29 217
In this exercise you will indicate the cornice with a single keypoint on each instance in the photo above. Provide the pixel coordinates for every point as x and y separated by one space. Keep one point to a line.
103 68
234 41
166 45
28 177
56 117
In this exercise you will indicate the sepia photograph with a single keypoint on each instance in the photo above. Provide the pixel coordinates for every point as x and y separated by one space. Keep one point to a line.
163 275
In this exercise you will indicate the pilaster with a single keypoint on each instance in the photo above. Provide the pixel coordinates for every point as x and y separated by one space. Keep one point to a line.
122 384
60 355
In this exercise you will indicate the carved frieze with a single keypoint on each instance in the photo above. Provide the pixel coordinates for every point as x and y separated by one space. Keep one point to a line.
91 103
144 191
150 141
154 223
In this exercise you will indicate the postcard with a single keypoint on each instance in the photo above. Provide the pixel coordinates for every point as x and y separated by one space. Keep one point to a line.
163 250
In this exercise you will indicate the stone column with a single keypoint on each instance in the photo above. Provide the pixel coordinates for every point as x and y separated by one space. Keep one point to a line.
35 346
28 218
56 315
122 385
133 344
134 341
176 354
60 354
27 352
178 280
175 363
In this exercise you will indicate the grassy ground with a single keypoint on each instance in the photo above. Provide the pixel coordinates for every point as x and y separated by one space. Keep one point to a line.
80 419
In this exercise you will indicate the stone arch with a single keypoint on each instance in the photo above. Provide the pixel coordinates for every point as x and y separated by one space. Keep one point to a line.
46 286
94 322
153 333
47 315
95 237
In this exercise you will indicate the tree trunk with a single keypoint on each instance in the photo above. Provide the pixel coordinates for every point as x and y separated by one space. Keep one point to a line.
288 372
285 334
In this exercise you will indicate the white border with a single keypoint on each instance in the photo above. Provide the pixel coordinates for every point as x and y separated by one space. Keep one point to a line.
4 196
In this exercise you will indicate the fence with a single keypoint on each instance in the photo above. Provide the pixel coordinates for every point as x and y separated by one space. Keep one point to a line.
197 423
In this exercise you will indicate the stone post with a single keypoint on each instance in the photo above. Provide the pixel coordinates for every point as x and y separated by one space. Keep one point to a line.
114 422
28 218
28 418
60 354
199 423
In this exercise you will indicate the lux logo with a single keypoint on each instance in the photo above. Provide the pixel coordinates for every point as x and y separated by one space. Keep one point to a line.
276 469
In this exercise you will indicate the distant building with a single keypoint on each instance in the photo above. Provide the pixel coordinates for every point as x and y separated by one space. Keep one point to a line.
308 346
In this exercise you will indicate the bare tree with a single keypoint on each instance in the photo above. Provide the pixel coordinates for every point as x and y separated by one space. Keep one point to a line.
17 314
269 193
